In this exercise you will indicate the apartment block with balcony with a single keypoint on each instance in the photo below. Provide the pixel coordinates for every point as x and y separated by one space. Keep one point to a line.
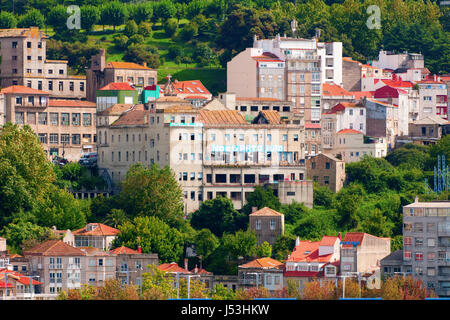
100 266
24 63
432 99
211 152
64 127
426 243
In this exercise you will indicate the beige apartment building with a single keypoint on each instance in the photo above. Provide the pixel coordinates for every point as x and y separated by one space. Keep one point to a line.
64 127
61 267
211 152
102 73
24 62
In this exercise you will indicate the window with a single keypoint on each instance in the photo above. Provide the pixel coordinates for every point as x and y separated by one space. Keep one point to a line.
53 138
61 86
81 86
65 119
272 224
406 255
431 242
87 119
14 44
65 139
20 118
76 139
407 241
50 85
258 225
54 118
42 138
76 119
419 256
419 242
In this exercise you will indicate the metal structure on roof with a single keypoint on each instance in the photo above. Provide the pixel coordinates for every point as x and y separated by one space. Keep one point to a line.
441 177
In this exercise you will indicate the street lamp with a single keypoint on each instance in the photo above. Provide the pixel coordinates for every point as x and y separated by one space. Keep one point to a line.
188 276
348 275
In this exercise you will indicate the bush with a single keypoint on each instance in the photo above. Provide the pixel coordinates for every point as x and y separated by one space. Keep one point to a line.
145 29
131 28
136 39
170 27
175 51
121 41
188 32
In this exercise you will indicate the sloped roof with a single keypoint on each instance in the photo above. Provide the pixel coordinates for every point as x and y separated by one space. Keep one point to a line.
170 99
308 251
328 241
71 103
180 108
54 248
221 117
18 277
353 237
397 83
116 109
91 251
312 126
172 267
32 32
397 255
99 230
125 65
264 263
349 131
256 99
133 117
272 116
329 156
124 250
332 89
359 94
432 120
23 90
200 271
117 86
266 211
190 87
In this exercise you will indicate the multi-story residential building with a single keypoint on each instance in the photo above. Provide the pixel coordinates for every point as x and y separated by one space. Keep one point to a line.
267 224
426 131
64 127
116 93
102 73
265 272
313 260
326 170
350 146
17 284
287 69
332 95
433 99
362 252
24 63
58 265
394 61
211 152
131 264
392 265
426 243
96 235
345 115
355 74
100 265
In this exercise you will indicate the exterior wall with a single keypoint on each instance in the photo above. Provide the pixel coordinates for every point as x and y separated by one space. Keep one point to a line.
133 266
300 191
426 243
108 98
270 81
351 75
388 60
267 228
432 100
99 268
82 136
371 252
268 278
32 69
352 147
242 75
333 176
313 141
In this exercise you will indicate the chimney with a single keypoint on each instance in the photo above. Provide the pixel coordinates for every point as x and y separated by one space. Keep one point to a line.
416 199
144 64
186 264
139 249
254 209
297 241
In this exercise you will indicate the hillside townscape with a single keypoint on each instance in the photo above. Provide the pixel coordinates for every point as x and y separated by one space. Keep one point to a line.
224 150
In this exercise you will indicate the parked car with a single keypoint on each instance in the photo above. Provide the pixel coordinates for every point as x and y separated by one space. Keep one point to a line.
88 159
59 161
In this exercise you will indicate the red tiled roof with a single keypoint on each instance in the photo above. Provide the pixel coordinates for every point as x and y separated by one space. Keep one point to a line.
200 271
331 89
124 250
256 99
100 230
71 103
22 89
125 65
8 284
264 263
398 83
54 248
388 92
354 237
191 87
430 82
308 251
172 267
117 86
312 126
351 131
359 94
17 277
266 211
328 241
267 56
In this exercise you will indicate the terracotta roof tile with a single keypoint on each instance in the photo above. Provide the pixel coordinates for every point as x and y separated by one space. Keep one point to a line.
32 32
351 131
22 89
354 237
359 94
124 250
18 277
200 271
221 117
180 108
91 251
312 126
264 263
272 116
169 99
133 117
397 83
266 211
117 86
328 241
256 99
125 65
71 103
308 251
116 109
331 89
54 248
172 267
190 87
98 229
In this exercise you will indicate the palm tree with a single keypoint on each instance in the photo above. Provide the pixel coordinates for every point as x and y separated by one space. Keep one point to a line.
116 218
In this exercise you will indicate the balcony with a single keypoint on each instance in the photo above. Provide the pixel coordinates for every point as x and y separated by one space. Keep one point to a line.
55 266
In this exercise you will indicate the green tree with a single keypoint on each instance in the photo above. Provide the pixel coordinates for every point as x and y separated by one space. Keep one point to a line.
131 28
219 292
194 8
136 39
323 196
157 285
170 27
89 17
26 176
260 198
140 53
349 200
165 9
175 51
113 13
240 244
57 18
153 236
152 191
115 218
205 243
264 250
188 31
143 12
145 29
21 232
376 224
7 20
283 247
217 215
33 18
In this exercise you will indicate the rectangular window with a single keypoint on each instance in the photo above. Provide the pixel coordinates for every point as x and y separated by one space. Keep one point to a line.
76 139
65 119
53 138
76 119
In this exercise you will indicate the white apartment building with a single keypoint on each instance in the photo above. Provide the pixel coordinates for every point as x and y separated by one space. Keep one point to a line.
432 99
